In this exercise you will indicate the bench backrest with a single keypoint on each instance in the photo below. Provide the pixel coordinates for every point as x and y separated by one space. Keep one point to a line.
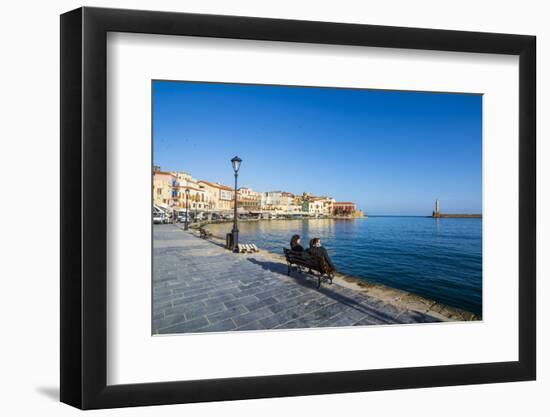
306 259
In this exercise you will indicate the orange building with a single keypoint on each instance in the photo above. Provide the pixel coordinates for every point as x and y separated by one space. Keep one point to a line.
163 187
221 195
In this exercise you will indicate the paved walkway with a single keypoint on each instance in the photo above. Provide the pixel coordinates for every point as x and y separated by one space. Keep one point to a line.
200 287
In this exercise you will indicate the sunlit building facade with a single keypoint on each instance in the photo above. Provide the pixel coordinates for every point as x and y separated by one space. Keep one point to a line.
163 187
169 191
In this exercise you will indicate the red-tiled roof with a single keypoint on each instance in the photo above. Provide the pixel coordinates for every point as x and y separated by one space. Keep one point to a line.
185 187
216 185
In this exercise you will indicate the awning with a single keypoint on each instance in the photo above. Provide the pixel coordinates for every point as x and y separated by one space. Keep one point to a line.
163 207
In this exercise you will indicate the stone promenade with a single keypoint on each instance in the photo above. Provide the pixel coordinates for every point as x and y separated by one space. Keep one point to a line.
200 287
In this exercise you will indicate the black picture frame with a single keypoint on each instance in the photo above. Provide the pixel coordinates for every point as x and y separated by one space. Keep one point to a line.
84 207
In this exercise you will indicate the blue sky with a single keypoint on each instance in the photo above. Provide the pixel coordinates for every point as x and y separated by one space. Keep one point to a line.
391 152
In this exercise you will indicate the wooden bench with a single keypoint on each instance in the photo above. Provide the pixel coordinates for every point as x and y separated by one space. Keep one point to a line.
308 263
247 248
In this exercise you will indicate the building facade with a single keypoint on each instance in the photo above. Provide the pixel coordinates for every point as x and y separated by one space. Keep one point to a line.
277 201
317 206
198 199
344 209
320 206
249 199
163 189
221 196
271 199
169 191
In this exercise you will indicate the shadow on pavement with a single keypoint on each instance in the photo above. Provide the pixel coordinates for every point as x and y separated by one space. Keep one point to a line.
298 278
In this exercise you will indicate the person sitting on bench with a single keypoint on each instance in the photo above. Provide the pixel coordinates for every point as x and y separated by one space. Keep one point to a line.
316 249
295 244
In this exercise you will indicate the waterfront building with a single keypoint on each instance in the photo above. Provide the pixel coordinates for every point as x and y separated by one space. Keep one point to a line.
278 201
272 199
198 198
297 201
317 206
248 199
305 199
327 205
287 200
344 209
227 200
212 192
294 209
248 193
169 191
221 196
263 200
183 178
247 203
163 183
320 206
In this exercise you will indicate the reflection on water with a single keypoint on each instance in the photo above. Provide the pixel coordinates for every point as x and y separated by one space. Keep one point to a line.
437 258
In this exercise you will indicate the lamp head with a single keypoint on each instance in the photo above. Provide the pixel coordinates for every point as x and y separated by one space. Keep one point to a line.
236 162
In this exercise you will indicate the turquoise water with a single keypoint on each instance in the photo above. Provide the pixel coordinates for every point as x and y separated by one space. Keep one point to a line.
439 259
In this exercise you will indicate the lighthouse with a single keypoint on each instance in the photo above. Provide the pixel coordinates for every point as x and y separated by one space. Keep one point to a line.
436 211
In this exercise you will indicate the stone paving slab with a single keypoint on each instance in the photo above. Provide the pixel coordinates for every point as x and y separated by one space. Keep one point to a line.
198 286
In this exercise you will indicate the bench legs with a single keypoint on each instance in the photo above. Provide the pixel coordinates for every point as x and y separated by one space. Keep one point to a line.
320 277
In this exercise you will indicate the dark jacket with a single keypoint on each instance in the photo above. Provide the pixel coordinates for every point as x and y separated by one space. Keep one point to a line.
297 248
322 253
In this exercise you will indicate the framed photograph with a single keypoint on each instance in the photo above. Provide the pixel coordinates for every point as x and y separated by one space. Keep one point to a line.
256 208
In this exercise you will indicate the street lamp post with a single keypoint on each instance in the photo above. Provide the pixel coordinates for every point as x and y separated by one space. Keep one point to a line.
186 226
236 162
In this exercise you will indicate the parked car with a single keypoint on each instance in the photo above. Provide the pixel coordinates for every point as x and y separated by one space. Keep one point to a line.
181 217
159 217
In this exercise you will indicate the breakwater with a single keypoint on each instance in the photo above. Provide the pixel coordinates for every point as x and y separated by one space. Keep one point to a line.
455 216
